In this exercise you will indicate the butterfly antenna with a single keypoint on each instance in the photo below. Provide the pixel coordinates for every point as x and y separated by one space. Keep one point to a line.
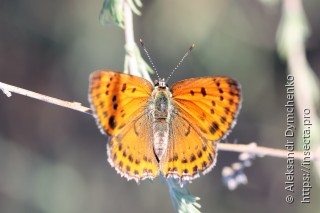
185 55
147 53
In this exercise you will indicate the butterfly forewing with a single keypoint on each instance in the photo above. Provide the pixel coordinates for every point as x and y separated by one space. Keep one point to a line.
211 103
117 98
119 101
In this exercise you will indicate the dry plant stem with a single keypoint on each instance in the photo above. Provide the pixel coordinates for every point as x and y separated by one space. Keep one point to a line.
129 37
257 150
129 34
299 67
71 105
262 151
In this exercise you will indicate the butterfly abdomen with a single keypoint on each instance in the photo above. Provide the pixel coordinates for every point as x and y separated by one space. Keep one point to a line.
160 141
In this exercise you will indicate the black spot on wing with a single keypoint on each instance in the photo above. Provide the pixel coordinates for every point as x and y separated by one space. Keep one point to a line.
204 148
120 146
192 158
130 158
112 123
114 98
232 83
231 102
204 165
195 169
137 161
203 91
175 157
223 119
124 86
184 160
120 164
114 157
227 110
214 127
188 131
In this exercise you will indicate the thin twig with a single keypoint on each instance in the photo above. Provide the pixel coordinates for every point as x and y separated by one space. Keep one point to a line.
6 88
262 151
257 150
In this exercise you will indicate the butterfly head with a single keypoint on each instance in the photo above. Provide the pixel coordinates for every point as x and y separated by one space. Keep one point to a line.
161 83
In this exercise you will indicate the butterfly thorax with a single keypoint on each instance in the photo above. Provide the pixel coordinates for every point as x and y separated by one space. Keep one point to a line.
161 105
161 111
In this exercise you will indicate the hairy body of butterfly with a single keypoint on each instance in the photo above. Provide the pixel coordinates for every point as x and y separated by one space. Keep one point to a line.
160 130
160 109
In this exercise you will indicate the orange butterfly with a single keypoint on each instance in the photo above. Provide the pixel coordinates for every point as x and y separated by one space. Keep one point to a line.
160 130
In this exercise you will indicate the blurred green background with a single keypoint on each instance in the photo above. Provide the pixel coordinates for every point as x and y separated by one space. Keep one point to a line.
53 159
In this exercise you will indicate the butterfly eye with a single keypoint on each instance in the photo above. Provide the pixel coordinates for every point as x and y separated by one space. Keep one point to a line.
156 82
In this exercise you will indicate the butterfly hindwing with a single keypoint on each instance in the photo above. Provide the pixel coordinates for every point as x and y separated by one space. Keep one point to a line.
131 151
188 153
